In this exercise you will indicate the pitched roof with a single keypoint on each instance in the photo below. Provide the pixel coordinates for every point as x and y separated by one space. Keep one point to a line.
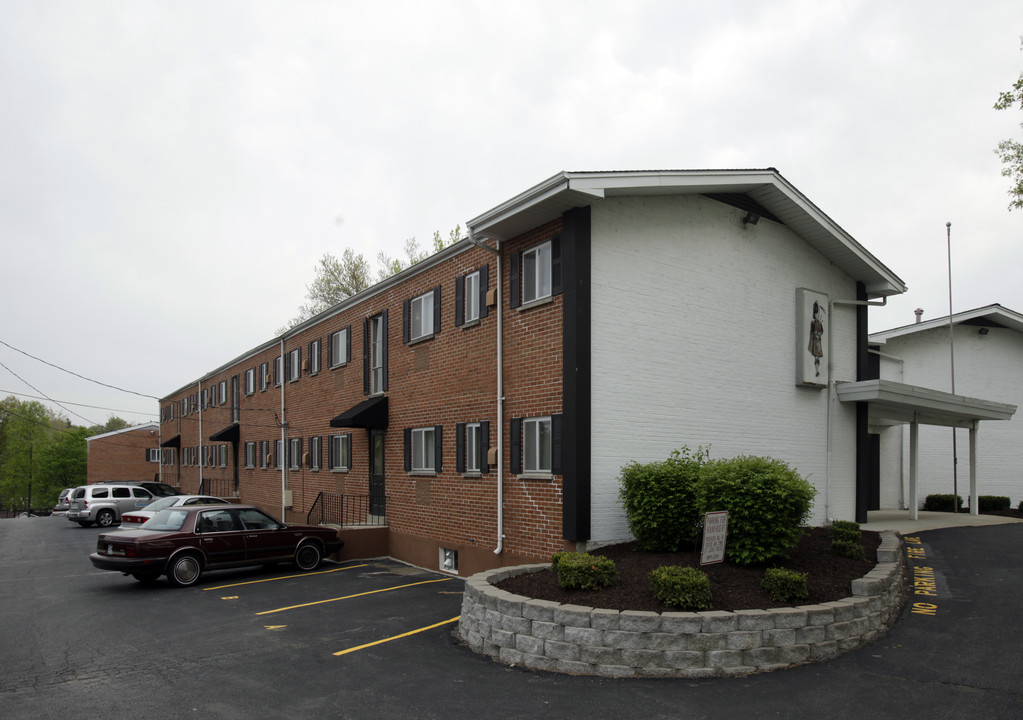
765 187
987 316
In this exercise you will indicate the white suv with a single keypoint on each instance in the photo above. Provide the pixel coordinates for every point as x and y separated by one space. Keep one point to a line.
103 504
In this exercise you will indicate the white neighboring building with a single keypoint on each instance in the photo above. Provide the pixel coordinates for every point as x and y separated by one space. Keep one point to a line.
988 355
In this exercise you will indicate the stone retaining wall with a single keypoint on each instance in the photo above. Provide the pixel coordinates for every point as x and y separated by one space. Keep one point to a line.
546 635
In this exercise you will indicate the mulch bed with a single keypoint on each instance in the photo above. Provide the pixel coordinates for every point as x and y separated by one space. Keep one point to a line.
829 577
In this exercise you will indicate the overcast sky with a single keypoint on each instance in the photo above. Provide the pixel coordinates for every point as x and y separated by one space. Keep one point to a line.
172 171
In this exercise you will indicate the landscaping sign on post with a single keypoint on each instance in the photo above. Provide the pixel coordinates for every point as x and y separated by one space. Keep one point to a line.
715 531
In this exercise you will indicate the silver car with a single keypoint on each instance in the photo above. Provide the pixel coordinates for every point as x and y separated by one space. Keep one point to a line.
104 504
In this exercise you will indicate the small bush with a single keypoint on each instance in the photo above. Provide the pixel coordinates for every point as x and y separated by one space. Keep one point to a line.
845 534
582 571
767 503
785 586
943 503
988 503
845 525
660 500
555 559
848 548
1019 509
680 587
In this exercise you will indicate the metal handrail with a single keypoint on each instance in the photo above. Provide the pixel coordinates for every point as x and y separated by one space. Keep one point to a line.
335 509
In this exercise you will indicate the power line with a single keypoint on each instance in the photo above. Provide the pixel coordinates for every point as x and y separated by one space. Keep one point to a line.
67 402
70 372
44 394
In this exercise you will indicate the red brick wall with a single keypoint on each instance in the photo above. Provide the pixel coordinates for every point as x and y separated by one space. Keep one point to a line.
121 456
446 380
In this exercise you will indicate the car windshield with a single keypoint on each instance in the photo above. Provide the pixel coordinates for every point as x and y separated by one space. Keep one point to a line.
164 502
166 520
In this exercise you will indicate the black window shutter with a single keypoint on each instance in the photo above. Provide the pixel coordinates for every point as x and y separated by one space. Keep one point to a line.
515 443
514 284
438 442
147 454
436 309
484 446
383 359
330 452
556 265
348 344
406 321
330 350
365 356
556 446
348 442
459 300
408 449
460 447
484 286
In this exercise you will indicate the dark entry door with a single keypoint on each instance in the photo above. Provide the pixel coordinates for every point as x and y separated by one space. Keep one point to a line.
874 448
377 492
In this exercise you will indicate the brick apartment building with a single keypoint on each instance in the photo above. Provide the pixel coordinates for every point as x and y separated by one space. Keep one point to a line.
132 453
486 398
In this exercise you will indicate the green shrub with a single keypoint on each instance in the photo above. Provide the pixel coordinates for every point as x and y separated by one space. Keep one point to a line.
844 534
1019 509
987 503
767 503
845 525
848 548
582 571
685 588
660 500
785 586
943 503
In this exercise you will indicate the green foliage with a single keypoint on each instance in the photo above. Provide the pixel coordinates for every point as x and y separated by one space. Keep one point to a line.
848 548
845 531
845 525
943 503
660 500
582 571
1010 152
785 586
685 588
989 503
767 502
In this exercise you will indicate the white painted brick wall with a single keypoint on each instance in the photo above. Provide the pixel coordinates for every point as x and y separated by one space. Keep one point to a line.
989 367
694 343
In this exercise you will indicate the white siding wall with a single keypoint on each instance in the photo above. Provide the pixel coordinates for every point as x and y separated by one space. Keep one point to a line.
694 343
989 367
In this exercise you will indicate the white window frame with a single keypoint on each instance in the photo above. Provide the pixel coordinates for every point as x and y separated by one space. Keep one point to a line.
315 452
153 455
314 357
340 453
536 454
222 455
376 354
250 454
250 381
278 453
424 449
222 392
264 376
536 273
473 443
421 317
294 364
338 348
294 453
471 297
278 370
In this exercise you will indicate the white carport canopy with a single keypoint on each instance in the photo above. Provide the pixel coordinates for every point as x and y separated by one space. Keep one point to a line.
894 403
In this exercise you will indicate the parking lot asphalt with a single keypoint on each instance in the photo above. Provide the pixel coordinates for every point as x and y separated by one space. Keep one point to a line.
374 639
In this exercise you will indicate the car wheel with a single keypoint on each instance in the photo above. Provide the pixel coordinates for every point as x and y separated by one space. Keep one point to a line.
308 556
105 518
184 570
146 578
85 523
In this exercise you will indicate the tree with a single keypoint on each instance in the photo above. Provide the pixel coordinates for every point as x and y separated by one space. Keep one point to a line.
26 428
392 266
1010 151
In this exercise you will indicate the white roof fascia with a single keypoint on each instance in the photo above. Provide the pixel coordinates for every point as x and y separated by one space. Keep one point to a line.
145 426
996 313
901 403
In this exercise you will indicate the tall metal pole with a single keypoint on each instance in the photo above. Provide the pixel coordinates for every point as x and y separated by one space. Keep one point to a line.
952 358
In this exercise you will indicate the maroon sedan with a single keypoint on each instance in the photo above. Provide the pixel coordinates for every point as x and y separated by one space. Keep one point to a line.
184 541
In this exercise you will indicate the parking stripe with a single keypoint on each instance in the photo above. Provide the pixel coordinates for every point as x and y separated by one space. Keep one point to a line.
284 577
348 597
398 637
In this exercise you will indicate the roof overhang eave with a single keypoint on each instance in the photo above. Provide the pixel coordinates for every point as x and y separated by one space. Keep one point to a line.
896 403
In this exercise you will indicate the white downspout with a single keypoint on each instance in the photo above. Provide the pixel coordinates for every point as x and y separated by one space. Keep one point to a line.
833 392
284 439
198 397
500 391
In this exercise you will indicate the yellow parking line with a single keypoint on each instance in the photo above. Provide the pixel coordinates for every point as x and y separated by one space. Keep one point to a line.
348 597
398 637
285 577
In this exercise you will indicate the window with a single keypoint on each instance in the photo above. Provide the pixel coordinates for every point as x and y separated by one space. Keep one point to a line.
235 400
471 296
421 316
314 357
250 381
278 369
423 449
340 452
222 392
168 456
535 274
222 456
294 453
374 378
153 455
278 454
315 452
472 446
264 376
295 364
338 347
250 454
536 445
264 453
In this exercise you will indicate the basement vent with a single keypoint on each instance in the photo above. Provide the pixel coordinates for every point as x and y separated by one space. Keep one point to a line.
448 560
